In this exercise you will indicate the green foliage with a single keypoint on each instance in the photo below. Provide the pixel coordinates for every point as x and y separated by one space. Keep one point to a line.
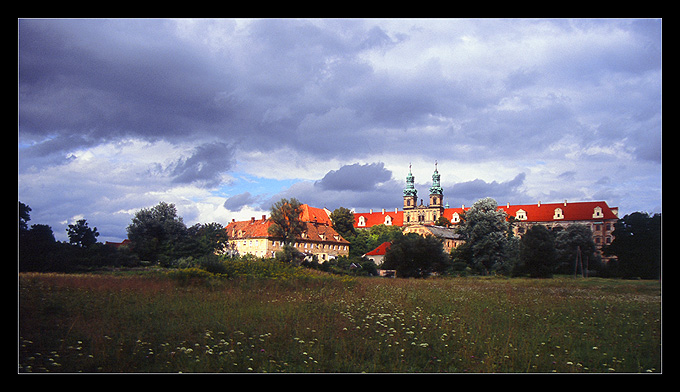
537 253
365 240
80 234
416 256
637 246
490 249
343 222
157 232
567 244
289 254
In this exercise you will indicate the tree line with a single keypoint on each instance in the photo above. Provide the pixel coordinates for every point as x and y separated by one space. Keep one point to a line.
159 236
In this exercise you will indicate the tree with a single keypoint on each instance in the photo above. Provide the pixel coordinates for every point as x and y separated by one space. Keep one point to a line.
81 235
637 245
24 216
416 256
489 245
209 238
537 252
569 242
286 224
343 222
285 217
156 232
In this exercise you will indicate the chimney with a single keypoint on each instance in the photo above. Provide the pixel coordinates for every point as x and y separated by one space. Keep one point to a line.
264 217
463 206
370 211
383 211
396 210
508 205
233 220
539 203
252 219
565 202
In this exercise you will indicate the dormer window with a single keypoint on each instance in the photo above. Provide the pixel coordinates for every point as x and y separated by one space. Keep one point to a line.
388 220
362 221
558 214
521 215
597 212
455 218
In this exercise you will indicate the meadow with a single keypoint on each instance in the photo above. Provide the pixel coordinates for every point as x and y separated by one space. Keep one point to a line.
263 318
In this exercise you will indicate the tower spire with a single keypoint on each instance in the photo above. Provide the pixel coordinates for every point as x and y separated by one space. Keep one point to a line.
410 189
436 188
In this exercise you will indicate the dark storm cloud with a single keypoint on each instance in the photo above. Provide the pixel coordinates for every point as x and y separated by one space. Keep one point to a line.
320 86
237 202
472 190
104 79
205 165
355 177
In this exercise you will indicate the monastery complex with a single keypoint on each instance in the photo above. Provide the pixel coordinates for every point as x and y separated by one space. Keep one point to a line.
322 240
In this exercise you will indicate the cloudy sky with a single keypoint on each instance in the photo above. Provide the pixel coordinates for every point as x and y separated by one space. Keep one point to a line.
223 117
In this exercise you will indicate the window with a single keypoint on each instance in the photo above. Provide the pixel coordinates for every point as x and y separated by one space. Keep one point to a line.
388 220
455 218
558 214
362 221
521 215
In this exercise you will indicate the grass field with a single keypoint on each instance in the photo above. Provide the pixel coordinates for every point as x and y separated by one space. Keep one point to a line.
305 321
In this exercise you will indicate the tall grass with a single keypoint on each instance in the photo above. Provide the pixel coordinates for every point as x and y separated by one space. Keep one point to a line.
320 323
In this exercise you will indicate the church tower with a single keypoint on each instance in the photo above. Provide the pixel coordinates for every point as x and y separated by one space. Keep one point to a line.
436 191
410 192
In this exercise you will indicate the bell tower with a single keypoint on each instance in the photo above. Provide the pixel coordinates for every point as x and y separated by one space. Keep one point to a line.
436 191
410 192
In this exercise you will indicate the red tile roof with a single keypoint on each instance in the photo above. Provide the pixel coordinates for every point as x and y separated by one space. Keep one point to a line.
378 218
313 214
319 230
380 250
574 211
545 212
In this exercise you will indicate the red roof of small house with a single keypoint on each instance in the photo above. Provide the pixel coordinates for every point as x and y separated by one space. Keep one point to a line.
381 249
118 244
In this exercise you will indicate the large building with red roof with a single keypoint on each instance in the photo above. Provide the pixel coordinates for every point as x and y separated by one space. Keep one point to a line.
597 215
319 238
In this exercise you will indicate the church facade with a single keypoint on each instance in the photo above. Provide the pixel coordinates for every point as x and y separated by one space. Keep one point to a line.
420 214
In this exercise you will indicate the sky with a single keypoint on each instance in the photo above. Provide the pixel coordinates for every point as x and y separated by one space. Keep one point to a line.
224 117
